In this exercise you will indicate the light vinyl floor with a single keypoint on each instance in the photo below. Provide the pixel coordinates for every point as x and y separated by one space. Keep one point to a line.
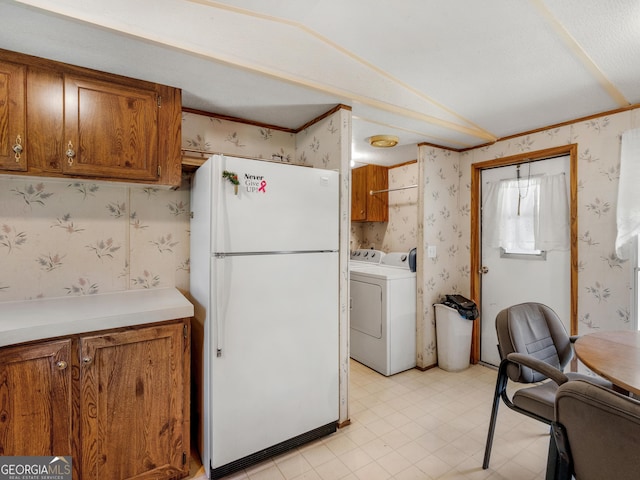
415 425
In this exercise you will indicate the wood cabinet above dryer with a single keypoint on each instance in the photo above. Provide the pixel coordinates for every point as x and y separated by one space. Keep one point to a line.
364 206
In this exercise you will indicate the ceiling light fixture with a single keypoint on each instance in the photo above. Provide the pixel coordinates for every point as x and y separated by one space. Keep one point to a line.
383 141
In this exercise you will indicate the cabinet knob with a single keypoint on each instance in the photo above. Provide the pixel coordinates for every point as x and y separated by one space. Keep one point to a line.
17 148
71 153
87 360
61 365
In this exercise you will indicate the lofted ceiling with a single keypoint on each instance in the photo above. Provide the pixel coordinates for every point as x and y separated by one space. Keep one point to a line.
457 74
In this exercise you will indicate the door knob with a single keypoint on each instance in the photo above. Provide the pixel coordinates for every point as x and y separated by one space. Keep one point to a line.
484 270
71 153
17 148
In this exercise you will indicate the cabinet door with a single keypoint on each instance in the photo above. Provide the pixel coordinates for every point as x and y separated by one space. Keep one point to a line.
35 399
111 130
134 403
364 206
45 119
12 117
377 204
359 194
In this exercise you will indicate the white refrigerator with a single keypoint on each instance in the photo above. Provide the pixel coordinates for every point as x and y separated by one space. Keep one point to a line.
264 278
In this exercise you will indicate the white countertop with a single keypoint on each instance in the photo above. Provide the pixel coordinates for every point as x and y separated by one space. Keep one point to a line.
24 321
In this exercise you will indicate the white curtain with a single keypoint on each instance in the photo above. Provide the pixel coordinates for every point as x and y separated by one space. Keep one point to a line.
628 209
527 214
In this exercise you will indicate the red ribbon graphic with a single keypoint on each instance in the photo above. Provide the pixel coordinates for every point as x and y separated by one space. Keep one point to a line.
263 184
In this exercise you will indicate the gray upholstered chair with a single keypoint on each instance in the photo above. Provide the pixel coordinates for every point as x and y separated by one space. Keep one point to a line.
597 432
534 349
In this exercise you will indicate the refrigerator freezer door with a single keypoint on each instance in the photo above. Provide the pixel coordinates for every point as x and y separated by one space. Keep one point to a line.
277 376
277 207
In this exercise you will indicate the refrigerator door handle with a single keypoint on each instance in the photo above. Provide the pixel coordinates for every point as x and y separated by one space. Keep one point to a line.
271 252
221 300
220 227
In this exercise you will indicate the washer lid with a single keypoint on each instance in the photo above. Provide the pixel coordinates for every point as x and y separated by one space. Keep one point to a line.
396 259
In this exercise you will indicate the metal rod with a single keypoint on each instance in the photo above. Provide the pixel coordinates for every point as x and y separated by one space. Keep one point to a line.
373 192
537 175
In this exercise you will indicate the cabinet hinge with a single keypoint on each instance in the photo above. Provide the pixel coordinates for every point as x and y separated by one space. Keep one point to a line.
184 330
184 458
159 99
190 214
159 170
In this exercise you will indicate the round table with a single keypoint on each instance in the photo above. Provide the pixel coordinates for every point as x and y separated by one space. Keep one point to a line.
614 356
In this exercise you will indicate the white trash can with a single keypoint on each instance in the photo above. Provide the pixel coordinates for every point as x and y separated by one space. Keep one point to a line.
453 336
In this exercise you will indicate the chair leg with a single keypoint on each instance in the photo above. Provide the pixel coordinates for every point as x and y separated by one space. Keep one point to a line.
558 462
492 428
552 460
501 385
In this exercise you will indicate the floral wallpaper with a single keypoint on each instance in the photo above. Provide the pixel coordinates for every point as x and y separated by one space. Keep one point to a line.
443 221
400 233
604 281
68 237
216 135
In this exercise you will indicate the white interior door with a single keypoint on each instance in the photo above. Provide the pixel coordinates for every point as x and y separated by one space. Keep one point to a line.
509 281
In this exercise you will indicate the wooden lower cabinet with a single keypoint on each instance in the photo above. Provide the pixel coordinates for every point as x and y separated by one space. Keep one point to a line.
120 405
35 399
133 406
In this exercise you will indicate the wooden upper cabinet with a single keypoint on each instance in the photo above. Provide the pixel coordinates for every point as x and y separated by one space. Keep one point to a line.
364 206
13 156
35 399
110 130
82 123
135 403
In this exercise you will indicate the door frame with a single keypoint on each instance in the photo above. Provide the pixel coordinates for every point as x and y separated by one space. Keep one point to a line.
476 170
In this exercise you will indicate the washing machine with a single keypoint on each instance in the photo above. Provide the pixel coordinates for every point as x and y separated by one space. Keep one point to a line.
382 311
363 257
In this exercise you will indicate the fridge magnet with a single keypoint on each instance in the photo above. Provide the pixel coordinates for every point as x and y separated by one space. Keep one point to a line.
233 178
